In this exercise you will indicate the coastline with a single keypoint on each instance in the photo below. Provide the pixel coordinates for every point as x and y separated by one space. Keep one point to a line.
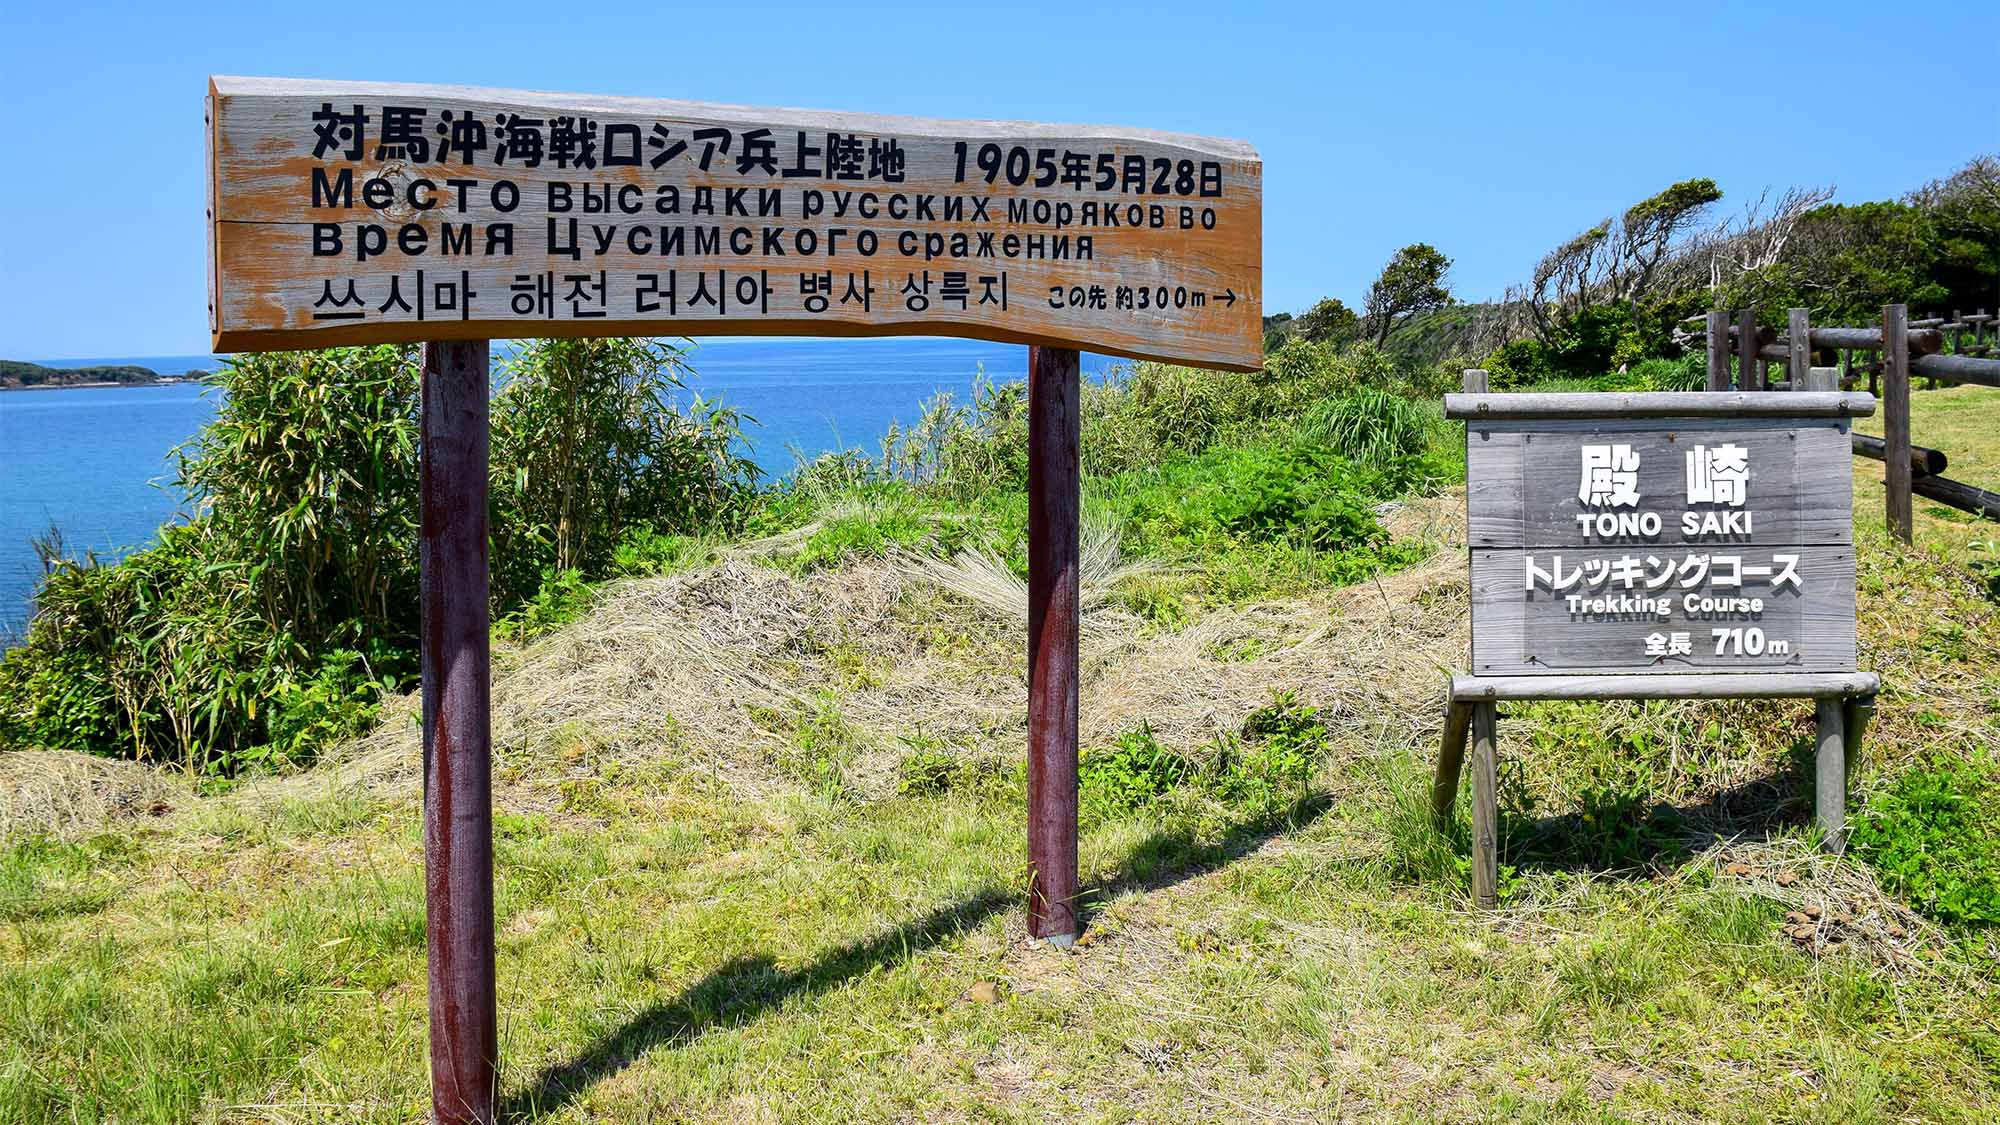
162 381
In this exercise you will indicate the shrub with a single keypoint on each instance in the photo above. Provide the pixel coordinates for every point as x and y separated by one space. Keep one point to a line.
646 551
562 597
1933 840
1260 772
308 478
268 623
338 699
1130 773
1266 770
1150 412
1688 373
162 656
1268 493
927 771
588 443
963 452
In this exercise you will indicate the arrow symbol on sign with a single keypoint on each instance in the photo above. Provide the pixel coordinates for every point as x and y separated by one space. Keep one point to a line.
1227 296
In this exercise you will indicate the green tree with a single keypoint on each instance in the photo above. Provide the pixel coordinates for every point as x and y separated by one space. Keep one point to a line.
1412 282
1277 329
1329 322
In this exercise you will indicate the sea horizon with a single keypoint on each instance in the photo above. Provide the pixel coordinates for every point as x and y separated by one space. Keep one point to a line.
92 462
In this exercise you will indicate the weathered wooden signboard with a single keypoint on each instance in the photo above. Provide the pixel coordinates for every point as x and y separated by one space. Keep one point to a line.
345 212
1656 546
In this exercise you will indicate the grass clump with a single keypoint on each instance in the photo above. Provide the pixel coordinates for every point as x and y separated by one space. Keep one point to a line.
1129 773
1261 770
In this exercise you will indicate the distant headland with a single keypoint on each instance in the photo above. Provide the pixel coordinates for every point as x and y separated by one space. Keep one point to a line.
20 375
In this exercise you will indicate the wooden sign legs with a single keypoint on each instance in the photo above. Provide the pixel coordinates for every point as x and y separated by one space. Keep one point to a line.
1054 504
458 791
1844 701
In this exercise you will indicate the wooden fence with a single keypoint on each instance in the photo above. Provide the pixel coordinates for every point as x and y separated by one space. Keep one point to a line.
1904 348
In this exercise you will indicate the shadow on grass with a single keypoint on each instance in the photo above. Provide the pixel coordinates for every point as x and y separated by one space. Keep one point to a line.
1618 831
1175 855
737 993
749 986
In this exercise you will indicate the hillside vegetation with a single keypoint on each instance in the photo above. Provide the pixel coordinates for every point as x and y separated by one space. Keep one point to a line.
19 373
761 855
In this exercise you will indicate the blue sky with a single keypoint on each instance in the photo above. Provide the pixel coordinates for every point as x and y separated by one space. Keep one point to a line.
1491 131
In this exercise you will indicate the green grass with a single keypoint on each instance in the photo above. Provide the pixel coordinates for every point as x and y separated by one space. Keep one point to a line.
800 957
1275 930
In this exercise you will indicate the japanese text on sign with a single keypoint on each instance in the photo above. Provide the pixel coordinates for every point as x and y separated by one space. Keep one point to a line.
1691 545
361 212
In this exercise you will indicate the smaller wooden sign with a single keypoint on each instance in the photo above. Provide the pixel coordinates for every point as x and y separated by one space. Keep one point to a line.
1655 546
1608 539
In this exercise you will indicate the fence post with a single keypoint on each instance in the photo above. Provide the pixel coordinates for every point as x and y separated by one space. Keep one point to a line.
1746 351
1799 328
458 760
1896 417
1054 432
1718 350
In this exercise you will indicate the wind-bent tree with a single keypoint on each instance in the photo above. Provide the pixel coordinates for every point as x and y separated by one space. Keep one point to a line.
1412 282
1565 279
1651 227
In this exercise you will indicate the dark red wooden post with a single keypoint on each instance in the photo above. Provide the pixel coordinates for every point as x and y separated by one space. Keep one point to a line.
458 782
1054 500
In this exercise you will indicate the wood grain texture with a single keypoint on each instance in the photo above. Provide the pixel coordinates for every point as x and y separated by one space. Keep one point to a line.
1964 497
1054 618
1516 631
1658 404
1747 342
1958 369
1924 461
266 278
1451 763
1798 336
1718 351
1830 775
1485 806
1855 711
1522 479
1766 685
457 735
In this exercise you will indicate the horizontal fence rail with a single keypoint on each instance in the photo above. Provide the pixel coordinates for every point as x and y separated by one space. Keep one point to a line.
1935 348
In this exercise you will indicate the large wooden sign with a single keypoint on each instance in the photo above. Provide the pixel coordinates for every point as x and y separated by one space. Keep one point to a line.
345 212
1716 538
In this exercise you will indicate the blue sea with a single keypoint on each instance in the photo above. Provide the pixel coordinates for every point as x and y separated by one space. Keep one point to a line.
91 462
